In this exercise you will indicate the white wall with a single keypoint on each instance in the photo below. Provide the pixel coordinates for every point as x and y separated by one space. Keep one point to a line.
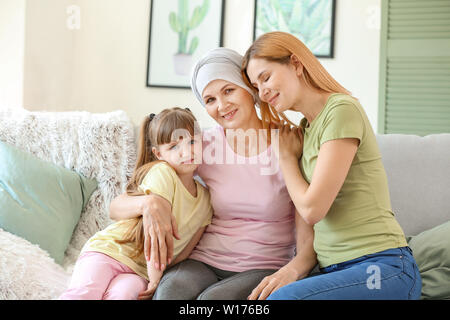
102 65
357 51
12 41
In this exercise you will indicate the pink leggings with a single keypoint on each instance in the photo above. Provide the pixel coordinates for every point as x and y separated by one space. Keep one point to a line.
97 276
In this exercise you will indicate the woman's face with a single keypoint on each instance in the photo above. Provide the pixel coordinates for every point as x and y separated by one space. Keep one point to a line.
278 84
230 105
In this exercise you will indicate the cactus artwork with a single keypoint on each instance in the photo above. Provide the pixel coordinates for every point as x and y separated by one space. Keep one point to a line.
181 23
180 32
309 20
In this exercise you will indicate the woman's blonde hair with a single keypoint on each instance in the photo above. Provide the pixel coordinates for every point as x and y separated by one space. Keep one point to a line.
154 131
279 47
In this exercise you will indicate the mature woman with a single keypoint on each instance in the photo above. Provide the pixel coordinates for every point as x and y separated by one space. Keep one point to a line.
340 187
248 249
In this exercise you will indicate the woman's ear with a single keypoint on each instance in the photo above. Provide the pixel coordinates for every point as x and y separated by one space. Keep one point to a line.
295 61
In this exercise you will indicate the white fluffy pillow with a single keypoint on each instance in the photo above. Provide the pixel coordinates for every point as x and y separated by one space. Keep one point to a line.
27 271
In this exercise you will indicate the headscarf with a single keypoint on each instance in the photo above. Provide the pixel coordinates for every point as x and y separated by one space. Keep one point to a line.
220 63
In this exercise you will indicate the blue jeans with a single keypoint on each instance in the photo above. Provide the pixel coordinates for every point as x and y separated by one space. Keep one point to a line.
389 274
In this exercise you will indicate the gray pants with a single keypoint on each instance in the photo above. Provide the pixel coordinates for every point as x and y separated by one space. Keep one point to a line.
192 279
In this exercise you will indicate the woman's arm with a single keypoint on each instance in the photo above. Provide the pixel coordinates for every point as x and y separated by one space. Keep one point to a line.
298 268
127 207
305 258
158 222
155 275
333 163
189 247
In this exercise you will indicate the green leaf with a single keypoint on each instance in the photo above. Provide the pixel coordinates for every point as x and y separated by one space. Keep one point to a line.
267 13
295 22
173 22
183 12
199 14
194 45
282 26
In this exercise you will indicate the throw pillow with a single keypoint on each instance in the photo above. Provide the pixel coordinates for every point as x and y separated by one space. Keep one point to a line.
40 201
431 250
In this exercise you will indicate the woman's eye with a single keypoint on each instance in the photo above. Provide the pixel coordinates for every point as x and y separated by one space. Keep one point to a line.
227 91
173 147
267 78
209 100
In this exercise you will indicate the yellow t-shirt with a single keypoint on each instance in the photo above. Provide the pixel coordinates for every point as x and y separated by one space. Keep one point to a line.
190 212
360 220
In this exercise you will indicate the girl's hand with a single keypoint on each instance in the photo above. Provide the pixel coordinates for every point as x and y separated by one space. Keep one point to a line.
269 284
148 294
290 142
154 277
159 229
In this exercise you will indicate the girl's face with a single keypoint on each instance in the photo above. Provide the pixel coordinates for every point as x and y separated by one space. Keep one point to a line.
277 84
183 154
230 105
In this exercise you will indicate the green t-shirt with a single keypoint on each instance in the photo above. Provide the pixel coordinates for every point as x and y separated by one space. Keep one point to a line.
360 220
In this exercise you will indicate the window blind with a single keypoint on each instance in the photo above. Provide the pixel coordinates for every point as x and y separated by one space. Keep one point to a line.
414 95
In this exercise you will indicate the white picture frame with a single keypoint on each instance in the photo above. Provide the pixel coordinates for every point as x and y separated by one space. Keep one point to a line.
172 51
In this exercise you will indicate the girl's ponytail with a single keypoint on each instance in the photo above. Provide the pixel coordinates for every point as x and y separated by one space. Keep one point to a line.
144 158
145 154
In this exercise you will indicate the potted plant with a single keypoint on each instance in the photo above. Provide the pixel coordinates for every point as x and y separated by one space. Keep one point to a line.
182 24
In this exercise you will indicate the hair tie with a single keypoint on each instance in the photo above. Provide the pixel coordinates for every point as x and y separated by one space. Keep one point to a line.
187 109
151 116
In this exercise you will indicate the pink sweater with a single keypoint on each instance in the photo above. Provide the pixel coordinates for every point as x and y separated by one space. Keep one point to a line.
253 225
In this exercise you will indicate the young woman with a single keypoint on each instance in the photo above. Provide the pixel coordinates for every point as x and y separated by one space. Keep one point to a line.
340 187
249 245
112 264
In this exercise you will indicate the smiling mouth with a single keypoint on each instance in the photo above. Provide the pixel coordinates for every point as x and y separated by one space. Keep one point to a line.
230 115
272 100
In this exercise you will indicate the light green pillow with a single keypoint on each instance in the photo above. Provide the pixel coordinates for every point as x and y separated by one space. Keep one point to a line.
40 201
431 250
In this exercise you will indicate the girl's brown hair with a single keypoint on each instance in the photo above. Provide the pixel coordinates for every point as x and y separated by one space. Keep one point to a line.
155 130
279 47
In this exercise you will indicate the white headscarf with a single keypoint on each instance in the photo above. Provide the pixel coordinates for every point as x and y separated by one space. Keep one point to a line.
219 63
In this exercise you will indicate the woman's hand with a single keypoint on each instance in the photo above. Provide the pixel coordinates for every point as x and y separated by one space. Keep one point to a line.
159 229
290 141
298 268
269 284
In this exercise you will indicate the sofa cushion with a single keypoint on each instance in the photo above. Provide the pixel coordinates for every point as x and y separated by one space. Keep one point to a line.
417 169
41 201
431 250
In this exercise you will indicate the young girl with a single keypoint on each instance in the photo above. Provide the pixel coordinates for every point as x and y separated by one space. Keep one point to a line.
112 264
340 186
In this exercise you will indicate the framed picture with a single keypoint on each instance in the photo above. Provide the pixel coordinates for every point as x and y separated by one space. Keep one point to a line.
180 33
312 21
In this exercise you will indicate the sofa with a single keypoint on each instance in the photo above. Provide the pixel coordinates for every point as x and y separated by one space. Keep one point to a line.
103 147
